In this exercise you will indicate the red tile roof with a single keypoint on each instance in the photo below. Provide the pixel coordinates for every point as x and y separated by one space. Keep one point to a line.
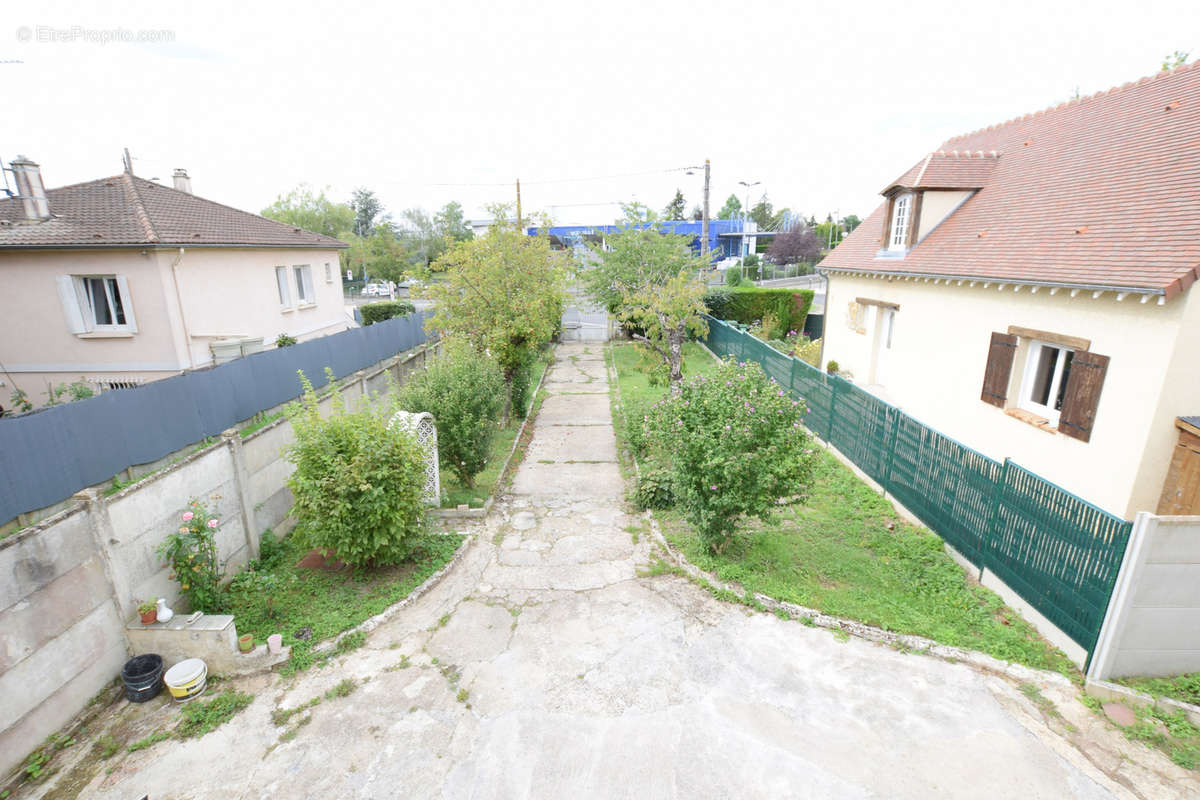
953 169
125 210
1101 191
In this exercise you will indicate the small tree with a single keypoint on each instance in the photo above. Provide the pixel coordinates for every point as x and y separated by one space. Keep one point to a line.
732 208
668 314
358 481
799 244
464 391
675 208
503 294
734 447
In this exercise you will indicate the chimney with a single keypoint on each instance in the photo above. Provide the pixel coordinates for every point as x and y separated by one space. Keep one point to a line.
30 189
182 182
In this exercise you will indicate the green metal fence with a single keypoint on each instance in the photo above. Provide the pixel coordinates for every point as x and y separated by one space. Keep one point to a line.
1057 551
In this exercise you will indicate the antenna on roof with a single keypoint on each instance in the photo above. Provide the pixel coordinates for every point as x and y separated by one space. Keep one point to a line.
128 161
4 171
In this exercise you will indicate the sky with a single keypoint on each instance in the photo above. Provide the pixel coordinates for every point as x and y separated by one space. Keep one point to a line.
589 104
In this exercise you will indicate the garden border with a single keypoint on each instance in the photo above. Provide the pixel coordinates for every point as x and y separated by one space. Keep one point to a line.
908 642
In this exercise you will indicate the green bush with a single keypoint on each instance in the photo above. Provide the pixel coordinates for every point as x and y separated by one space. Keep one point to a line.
734 445
522 385
191 553
654 489
749 304
358 481
635 420
733 276
378 312
284 340
465 393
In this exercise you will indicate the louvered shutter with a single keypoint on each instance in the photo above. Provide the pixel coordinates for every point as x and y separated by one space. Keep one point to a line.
1083 395
999 367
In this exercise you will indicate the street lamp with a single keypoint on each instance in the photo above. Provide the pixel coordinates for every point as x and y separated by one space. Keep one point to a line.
746 216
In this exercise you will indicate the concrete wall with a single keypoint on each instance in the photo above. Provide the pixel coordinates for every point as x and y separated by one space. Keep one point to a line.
71 583
1153 622
939 352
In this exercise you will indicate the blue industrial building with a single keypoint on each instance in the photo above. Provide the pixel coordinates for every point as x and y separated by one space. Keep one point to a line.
727 238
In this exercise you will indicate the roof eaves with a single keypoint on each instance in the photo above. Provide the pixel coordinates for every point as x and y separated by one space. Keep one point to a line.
1002 282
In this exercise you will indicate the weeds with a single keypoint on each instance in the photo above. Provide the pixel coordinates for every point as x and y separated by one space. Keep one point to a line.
149 741
201 717
342 689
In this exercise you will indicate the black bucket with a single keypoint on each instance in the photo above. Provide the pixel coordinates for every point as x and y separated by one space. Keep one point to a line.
142 676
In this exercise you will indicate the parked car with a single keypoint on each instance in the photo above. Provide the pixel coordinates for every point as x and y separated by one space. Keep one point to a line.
376 290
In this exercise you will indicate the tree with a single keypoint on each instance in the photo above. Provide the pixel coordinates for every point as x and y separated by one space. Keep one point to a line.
697 213
503 295
302 208
674 209
637 256
732 208
801 243
450 224
1176 59
380 255
851 222
763 213
668 313
366 208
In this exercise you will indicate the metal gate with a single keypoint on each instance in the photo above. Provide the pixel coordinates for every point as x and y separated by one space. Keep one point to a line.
585 326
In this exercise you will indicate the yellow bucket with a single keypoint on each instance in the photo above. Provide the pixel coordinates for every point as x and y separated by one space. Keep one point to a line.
186 679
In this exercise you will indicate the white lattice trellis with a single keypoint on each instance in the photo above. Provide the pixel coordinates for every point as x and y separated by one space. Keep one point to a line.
421 427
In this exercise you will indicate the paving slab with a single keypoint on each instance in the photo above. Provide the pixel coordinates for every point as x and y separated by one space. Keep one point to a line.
582 409
545 666
573 443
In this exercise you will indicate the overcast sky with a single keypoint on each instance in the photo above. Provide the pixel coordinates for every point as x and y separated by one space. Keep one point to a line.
823 104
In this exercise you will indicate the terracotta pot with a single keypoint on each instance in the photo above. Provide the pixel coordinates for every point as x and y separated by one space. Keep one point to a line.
246 642
150 617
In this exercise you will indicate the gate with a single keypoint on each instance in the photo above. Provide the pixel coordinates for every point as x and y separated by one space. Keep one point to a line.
584 326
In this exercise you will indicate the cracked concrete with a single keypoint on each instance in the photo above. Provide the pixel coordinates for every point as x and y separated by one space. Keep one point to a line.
544 666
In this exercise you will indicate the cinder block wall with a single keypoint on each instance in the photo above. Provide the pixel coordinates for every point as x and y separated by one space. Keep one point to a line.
71 582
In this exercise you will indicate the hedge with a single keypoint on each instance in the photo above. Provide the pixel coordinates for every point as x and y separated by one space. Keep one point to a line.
378 312
748 304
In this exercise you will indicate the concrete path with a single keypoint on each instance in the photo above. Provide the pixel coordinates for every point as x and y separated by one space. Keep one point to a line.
544 666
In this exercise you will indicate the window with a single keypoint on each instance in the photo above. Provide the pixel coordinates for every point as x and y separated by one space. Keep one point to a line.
901 211
304 284
1060 381
285 297
1044 384
96 304
328 273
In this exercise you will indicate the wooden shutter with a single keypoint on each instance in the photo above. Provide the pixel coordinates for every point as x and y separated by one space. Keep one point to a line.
1083 395
915 211
999 367
70 304
127 303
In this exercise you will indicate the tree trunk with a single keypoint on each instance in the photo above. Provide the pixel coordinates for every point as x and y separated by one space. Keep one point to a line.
675 345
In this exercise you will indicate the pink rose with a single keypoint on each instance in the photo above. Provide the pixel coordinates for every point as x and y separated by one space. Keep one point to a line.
212 523
187 516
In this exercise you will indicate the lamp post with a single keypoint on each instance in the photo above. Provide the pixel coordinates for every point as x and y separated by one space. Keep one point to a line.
746 215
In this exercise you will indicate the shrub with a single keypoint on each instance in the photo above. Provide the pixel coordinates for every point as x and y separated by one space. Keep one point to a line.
358 481
465 393
749 304
735 446
283 340
191 554
522 383
733 275
635 420
832 367
809 351
378 312
654 489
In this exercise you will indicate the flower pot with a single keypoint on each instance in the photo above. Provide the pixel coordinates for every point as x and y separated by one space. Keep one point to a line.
275 643
246 642
150 617
142 676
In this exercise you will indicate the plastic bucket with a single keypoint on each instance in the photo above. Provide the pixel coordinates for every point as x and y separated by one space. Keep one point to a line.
142 676
186 679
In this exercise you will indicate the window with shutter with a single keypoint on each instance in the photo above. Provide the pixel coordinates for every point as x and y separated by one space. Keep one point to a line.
96 305
999 367
1082 395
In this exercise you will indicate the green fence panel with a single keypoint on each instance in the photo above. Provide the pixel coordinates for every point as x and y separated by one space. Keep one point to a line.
1057 551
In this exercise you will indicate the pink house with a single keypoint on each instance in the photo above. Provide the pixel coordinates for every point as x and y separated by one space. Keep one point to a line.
121 280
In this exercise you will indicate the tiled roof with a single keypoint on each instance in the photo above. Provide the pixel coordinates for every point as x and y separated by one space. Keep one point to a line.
127 210
1101 191
952 169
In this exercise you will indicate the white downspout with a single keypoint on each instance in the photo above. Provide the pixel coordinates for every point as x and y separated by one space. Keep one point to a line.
187 338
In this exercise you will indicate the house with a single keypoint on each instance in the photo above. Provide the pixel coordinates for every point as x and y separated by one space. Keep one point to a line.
1027 289
121 280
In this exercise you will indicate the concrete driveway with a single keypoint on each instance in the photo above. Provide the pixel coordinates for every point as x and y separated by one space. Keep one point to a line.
544 666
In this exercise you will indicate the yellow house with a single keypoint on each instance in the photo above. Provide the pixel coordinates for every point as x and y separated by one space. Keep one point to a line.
121 280
1026 290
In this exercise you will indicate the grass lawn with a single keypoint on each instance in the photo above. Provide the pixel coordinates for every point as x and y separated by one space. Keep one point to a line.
634 362
328 602
454 492
1185 688
837 554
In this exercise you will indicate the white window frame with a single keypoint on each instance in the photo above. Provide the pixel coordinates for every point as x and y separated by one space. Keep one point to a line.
281 284
80 311
901 222
1033 357
305 294
328 273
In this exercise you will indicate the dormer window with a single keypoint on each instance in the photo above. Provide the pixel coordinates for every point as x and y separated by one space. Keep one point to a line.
901 214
